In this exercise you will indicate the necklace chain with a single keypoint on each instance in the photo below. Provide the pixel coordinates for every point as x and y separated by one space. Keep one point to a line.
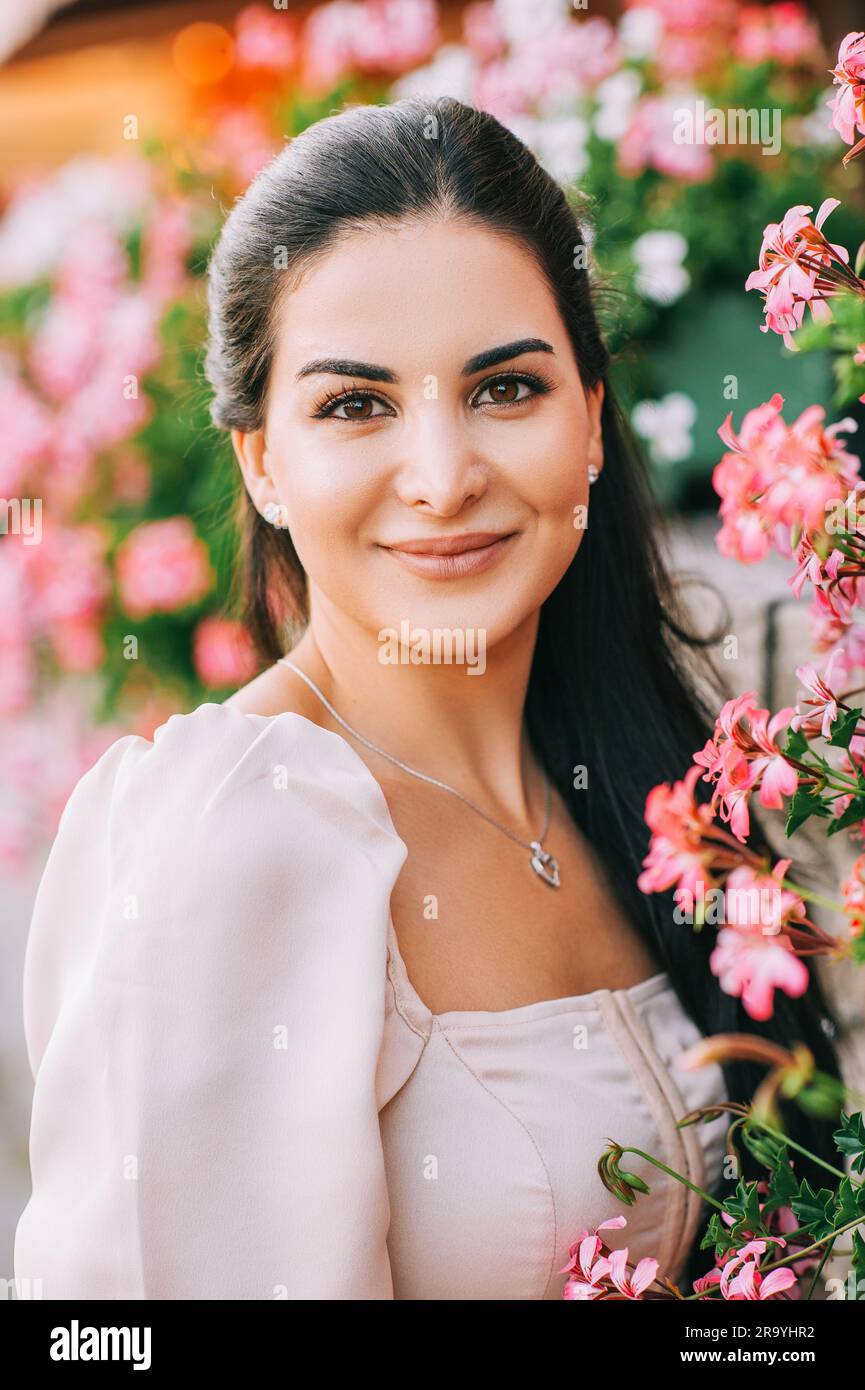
534 845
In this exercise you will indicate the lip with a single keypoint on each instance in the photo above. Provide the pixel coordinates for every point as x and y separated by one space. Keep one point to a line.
451 557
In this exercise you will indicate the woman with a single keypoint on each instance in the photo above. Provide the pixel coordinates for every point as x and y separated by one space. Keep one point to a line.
338 989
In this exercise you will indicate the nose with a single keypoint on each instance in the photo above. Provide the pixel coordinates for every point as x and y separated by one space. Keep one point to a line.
442 469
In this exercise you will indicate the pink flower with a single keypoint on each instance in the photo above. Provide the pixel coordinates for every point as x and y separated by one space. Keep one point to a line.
482 31
848 103
743 755
264 39
783 32
798 266
223 653
756 899
777 480
677 852
588 1245
853 890
601 1273
648 143
162 566
741 1278
751 966
27 432
635 1284
824 705
167 240
241 142
78 647
69 577
389 36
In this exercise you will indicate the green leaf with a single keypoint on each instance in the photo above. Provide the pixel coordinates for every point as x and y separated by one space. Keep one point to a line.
803 805
744 1207
854 812
844 727
797 744
816 1210
851 1201
850 1140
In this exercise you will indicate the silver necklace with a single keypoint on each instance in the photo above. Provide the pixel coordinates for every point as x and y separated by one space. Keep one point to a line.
541 860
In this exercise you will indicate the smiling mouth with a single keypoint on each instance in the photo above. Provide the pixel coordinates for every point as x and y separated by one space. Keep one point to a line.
451 558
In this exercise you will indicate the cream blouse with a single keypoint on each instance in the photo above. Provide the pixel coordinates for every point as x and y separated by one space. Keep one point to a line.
239 1094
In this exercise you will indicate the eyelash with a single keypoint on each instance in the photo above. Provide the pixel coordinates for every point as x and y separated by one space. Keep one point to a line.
541 386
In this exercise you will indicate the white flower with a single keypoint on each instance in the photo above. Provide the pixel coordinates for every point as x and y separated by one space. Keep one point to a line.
41 218
640 32
816 127
617 96
560 146
523 20
451 73
658 257
666 425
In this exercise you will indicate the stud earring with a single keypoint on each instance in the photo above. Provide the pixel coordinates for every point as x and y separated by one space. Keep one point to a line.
594 473
273 513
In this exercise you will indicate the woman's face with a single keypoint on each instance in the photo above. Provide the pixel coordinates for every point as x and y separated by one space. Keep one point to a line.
421 444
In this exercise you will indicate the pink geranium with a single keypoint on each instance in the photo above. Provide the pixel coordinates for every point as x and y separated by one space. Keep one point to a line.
853 890
27 432
751 966
848 103
223 653
598 1272
739 1276
743 756
799 267
390 36
162 566
482 30
821 710
264 39
756 899
678 853
777 480
783 33
649 142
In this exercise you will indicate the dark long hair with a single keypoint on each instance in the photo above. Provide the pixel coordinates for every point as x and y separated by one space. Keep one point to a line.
610 686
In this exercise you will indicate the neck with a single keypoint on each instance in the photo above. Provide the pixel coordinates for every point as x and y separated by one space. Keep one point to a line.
465 729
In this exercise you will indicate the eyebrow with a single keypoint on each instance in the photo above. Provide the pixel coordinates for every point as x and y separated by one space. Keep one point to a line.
492 357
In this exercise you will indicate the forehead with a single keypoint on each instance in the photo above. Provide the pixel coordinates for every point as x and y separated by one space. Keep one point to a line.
414 292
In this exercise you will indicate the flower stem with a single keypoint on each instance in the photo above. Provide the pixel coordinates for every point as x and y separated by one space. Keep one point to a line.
656 1162
791 1144
818 898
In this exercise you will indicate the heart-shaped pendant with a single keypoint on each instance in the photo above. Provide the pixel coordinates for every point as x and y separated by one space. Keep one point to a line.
545 865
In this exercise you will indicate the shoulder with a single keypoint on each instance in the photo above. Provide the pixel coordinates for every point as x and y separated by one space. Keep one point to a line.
226 835
220 764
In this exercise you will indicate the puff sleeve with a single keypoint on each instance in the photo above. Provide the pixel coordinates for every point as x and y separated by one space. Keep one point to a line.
204 992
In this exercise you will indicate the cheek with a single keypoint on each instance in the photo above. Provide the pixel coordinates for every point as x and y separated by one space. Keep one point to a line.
328 498
551 475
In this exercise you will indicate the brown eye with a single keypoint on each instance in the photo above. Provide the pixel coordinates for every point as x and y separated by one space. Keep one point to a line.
357 408
505 390
354 406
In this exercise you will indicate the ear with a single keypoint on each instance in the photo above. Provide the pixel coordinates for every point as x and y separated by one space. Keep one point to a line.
595 449
251 453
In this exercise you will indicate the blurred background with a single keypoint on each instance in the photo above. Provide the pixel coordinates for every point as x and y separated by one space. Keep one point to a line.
127 129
